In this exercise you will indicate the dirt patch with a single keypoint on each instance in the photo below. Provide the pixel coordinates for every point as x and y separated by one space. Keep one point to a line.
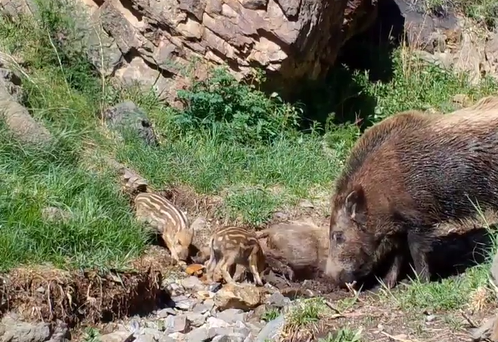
193 203
84 297
387 323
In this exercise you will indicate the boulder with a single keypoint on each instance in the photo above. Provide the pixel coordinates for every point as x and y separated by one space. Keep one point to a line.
155 43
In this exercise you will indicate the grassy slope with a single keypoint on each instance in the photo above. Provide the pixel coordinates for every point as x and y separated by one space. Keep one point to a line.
254 175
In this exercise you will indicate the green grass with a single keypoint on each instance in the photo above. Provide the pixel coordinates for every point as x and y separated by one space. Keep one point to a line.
100 228
343 335
470 289
448 294
484 11
231 140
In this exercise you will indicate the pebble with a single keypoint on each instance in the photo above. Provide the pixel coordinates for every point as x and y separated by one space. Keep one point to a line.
272 330
175 289
202 307
192 283
194 318
117 336
278 300
430 318
183 302
174 324
165 312
199 334
231 315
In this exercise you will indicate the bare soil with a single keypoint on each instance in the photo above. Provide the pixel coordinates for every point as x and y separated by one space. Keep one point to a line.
75 297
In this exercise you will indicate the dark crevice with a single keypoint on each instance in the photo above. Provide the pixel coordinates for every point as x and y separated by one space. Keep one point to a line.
128 4
370 51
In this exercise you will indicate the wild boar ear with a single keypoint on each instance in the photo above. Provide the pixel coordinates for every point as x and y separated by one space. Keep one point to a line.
356 205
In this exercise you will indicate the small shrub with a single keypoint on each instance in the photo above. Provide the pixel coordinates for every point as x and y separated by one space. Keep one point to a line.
235 112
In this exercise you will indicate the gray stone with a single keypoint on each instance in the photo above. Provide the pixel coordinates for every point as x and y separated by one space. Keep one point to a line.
176 337
202 308
183 302
153 335
229 338
138 72
126 117
134 325
20 122
214 322
192 283
174 288
278 300
150 331
60 333
165 312
18 8
198 335
117 336
272 330
14 330
146 338
220 331
241 329
209 303
231 315
196 319
176 324
12 83
103 52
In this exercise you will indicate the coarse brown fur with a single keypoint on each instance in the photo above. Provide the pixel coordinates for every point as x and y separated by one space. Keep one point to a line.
167 220
233 246
404 176
303 247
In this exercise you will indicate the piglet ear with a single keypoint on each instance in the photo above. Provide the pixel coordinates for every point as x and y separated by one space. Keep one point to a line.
356 205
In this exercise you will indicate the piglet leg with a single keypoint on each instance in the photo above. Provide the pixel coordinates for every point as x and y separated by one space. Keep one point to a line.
171 247
225 265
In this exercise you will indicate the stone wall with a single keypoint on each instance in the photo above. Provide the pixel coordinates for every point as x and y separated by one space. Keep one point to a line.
156 41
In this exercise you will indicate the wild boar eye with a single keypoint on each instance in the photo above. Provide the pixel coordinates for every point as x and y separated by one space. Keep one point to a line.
338 237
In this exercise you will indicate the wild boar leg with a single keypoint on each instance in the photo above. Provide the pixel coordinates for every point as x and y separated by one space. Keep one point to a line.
419 246
391 278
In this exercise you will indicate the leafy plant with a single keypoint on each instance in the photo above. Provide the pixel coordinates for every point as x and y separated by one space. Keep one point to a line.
234 111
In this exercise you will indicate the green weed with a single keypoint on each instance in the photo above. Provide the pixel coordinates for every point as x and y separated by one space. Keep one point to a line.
343 335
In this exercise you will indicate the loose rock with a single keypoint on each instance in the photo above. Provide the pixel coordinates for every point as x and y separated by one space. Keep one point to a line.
127 117
174 324
13 330
241 296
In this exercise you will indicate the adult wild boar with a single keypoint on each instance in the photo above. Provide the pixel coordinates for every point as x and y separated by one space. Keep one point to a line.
404 176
